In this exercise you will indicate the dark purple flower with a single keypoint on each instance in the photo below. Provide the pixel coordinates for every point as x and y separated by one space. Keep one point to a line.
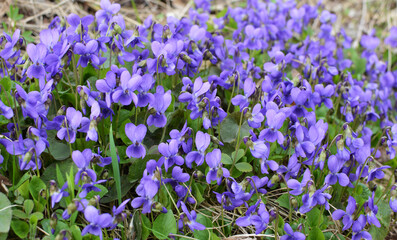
255 117
189 219
292 168
275 121
246 220
296 186
82 161
146 192
376 173
10 49
216 172
169 152
291 235
160 102
87 53
334 166
319 197
348 215
69 126
371 210
97 221
6 111
261 220
125 92
136 134
37 54
56 193
242 100
202 142
118 213
107 10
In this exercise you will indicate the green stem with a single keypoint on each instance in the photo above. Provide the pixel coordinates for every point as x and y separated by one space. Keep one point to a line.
238 139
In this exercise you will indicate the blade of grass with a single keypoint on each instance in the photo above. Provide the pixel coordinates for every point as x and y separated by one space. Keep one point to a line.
115 164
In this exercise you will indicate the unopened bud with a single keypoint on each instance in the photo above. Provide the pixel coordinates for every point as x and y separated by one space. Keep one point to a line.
294 202
71 208
117 29
186 58
216 140
275 179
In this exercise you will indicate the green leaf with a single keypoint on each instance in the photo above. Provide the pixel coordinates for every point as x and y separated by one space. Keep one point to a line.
164 224
235 173
23 179
5 213
6 84
198 191
316 234
226 159
240 154
244 167
58 149
28 206
60 178
20 228
76 232
28 36
3 236
139 165
283 200
146 226
115 164
112 194
384 218
35 186
203 234
229 128
314 217
19 214
37 215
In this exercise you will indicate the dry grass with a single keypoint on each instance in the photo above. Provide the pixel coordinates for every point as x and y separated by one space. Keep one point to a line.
355 16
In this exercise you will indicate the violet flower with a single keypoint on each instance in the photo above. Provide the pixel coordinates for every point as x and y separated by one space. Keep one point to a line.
136 134
160 102
170 156
97 221
37 54
202 142
346 215
291 235
82 161
216 172
189 219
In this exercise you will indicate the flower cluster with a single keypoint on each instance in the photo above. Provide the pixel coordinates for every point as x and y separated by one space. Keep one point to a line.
251 110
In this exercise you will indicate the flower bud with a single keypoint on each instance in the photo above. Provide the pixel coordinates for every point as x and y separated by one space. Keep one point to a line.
215 140
186 58
62 235
61 111
372 186
71 208
294 202
117 29
158 206
53 221
53 187
199 174
275 179
208 55
193 45
142 63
